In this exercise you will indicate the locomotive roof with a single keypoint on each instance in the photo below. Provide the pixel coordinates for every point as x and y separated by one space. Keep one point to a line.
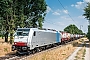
36 29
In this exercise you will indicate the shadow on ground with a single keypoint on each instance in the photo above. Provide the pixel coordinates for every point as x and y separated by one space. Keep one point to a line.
84 44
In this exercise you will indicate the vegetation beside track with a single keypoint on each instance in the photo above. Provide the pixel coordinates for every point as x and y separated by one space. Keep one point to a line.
80 54
61 53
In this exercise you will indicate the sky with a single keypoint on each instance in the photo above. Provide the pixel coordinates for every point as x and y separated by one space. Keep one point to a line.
58 17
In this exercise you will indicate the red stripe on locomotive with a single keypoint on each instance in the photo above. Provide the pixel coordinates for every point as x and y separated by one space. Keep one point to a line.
20 44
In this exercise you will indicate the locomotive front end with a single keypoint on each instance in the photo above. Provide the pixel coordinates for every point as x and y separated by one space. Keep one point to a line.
21 40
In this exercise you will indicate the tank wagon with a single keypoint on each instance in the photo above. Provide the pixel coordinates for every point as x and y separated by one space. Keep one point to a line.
65 37
34 39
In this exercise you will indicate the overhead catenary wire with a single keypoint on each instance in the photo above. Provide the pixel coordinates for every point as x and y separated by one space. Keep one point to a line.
54 24
51 22
67 13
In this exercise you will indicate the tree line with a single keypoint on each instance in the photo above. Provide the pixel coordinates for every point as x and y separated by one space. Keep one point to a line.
22 13
73 29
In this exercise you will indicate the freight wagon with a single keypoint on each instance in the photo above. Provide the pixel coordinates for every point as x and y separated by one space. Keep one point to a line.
65 37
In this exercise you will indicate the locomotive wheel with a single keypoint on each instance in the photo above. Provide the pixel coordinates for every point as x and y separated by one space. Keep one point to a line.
38 49
28 52
44 47
33 51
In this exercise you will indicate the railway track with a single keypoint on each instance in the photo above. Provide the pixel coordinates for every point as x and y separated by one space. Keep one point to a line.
23 57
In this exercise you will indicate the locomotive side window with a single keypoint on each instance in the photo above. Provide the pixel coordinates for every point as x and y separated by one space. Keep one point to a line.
34 34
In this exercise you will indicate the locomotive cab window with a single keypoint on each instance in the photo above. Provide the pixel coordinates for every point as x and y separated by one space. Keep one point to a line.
34 34
22 32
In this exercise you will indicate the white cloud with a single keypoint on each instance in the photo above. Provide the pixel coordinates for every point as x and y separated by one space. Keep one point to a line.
72 5
65 18
57 12
48 9
79 5
65 11
60 23
86 0
81 17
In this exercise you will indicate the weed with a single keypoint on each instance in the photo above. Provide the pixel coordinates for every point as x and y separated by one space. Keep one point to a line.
63 54
82 58
5 50
68 48
80 41
43 58
76 56
75 43
84 53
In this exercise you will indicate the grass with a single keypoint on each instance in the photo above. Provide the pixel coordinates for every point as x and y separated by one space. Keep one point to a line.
5 49
81 54
81 40
57 54
74 43
84 52
61 53
76 57
82 58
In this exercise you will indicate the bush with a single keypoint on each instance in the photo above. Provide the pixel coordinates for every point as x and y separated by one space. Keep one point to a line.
5 50
88 34
75 43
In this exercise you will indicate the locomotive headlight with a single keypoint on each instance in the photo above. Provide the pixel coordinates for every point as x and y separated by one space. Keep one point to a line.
15 43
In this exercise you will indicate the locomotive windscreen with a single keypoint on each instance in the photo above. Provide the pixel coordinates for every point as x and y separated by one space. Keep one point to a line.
22 32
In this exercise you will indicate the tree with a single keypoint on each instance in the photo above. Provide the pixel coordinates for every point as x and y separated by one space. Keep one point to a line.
15 12
33 10
87 12
73 29
2 28
38 10
5 13
88 34
87 16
